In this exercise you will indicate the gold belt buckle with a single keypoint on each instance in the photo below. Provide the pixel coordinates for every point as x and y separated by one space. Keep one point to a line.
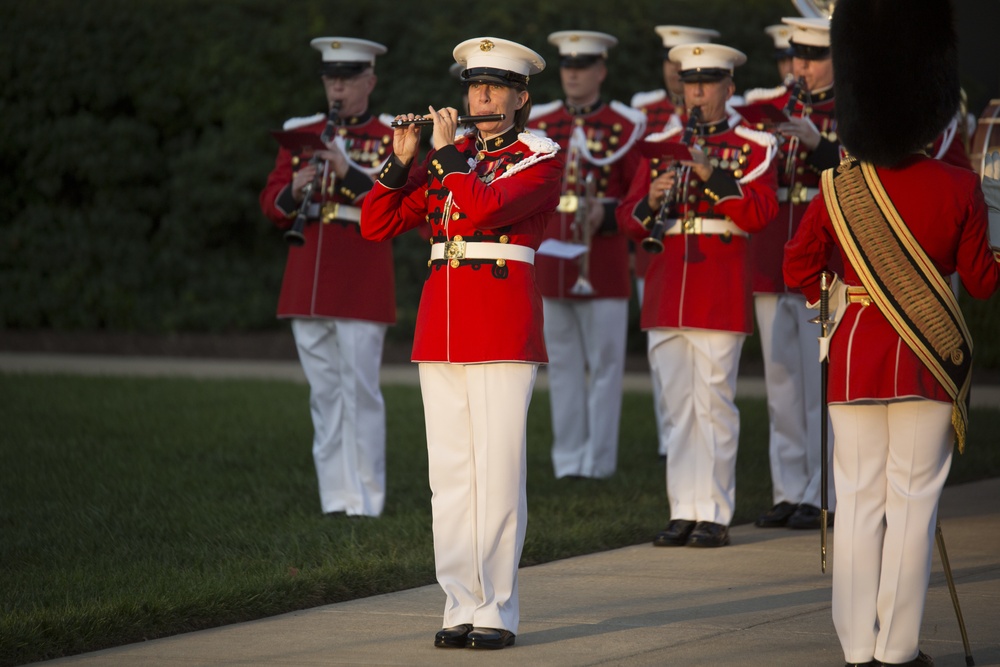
858 295
692 225
454 249
568 203
329 212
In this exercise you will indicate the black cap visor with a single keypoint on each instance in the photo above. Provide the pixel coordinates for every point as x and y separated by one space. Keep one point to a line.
343 70
494 75
704 74
581 61
810 52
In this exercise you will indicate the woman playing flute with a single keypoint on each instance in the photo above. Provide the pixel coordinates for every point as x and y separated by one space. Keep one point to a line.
478 339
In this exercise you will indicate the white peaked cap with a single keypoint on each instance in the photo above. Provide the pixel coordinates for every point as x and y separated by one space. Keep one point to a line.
347 49
707 57
780 34
675 35
492 53
809 31
582 42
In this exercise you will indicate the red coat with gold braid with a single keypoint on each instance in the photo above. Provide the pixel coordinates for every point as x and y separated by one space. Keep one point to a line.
798 180
702 280
944 209
610 132
336 272
501 191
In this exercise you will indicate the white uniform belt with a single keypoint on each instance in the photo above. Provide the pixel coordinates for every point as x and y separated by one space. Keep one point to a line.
331 211
806 194
703 226
569 202
476 250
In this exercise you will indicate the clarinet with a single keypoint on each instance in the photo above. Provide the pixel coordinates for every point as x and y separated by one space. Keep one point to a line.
654 242
294 236
793 141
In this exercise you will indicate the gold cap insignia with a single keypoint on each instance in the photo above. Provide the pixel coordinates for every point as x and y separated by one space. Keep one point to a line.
486 45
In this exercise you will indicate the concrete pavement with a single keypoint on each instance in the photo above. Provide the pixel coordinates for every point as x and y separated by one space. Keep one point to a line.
761 601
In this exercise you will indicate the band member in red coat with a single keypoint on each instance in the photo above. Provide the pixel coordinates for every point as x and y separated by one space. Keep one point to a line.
586 299
900 356
808 144
478 342
697 303
662 109
339 289
783 52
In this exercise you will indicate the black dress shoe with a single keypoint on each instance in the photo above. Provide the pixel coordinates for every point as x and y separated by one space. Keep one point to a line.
490 638
708 534
777 516
453 637
806 517
922 660
675 534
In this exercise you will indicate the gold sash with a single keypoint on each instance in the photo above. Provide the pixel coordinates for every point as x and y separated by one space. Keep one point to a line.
902 280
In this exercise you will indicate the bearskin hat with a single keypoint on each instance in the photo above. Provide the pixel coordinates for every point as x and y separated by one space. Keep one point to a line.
895 69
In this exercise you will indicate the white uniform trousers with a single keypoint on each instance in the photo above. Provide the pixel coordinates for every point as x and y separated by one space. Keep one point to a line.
476 418
585 340
890 462
698 370
661 418
341 360
792 377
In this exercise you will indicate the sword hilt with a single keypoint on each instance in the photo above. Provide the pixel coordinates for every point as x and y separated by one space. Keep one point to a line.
823 319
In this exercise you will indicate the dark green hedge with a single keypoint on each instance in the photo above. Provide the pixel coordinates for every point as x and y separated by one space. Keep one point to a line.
135 138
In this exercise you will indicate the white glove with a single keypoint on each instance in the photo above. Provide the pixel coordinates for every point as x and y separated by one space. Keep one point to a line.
991 190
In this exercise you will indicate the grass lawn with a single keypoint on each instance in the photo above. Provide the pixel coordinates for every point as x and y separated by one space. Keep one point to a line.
134 508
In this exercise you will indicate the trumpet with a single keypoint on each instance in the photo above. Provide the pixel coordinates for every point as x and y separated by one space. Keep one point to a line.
295 236
654 242
462 120
581 226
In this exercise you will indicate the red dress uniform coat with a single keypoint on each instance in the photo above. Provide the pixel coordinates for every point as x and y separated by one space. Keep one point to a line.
798 181
503 191
611 131
660 112
702 281
943 208
336 272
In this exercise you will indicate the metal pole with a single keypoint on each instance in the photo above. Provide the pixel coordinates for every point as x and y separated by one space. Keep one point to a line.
824 321
939 537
